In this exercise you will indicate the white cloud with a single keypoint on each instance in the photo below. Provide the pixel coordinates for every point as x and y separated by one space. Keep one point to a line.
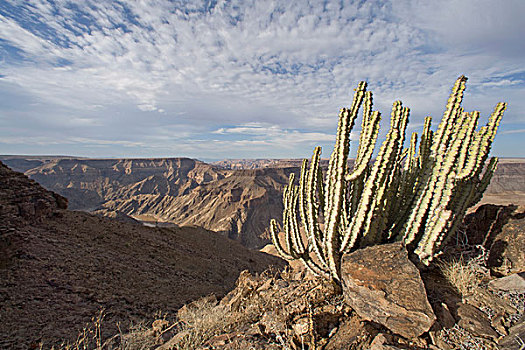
515 131
217 70
104 142
502 82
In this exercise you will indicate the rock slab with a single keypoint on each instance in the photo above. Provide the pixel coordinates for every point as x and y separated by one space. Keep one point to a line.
475 321
514 341
382 285
507 252
514 283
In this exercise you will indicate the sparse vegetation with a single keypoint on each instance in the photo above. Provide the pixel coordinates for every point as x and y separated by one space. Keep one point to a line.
458 338
137 337
419 197
259 312
205 322
461 275
204 319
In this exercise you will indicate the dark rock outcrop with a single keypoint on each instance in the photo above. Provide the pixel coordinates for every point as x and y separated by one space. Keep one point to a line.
501 230
475 321
21 197
507 252
514 340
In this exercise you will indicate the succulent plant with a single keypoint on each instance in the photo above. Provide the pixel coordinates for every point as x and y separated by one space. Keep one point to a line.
418 195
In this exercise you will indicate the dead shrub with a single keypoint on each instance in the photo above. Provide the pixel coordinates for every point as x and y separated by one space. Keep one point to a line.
462 275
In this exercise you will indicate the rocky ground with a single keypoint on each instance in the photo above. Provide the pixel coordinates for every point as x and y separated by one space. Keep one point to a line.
473 297
59 268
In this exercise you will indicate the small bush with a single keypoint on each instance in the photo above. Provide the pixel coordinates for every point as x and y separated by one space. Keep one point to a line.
462 275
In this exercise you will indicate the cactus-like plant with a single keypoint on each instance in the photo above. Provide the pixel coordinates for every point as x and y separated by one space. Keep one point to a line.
416 195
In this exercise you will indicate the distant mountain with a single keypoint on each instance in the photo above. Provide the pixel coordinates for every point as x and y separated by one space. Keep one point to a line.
89 183
234 197
507 185
59 268
182 191
242 164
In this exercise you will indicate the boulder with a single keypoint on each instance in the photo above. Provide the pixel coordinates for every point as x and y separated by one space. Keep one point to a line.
514 283
476 322
382 285
353 332
245 286
381 342
444 316
507 252
501 231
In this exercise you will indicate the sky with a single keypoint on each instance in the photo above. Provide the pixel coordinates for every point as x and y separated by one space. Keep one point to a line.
245 79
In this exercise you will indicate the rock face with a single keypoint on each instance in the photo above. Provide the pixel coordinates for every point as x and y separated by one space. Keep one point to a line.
475 321
182 191
240 205
116 215
514 340
514 283
89 183
384 286
501 230
59 268
507 252
24 198
508 183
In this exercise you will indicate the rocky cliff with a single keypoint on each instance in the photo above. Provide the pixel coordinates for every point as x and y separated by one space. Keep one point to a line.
508 183
89 183
239 205
182 191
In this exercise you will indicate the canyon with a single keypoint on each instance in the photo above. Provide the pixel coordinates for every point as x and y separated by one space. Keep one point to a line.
235 198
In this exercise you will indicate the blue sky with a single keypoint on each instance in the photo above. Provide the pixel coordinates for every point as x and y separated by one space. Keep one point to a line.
244 79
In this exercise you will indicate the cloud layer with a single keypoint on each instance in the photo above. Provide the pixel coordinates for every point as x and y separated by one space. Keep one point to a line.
232 79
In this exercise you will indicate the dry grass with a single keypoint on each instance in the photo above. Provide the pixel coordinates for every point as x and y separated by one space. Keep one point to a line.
204 319
89 338
197 323
468 269
201 322
138 337
464 276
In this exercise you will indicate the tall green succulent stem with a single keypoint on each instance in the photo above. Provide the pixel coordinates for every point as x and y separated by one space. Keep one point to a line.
418 195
